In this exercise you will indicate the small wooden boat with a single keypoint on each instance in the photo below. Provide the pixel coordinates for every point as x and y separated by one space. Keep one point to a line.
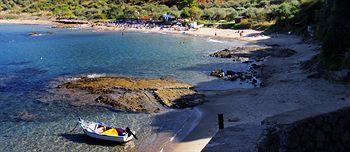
103 131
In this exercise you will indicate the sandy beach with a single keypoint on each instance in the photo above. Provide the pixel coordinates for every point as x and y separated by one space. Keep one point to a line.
214 33
286 86
27 22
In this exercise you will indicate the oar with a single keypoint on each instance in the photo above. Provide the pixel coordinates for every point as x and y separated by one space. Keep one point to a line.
127 129
79 120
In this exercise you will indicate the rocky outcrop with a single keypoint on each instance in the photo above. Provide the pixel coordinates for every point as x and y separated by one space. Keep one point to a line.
237 52
243 54
252 56
316 70
132 94
250 76
218 73
316 128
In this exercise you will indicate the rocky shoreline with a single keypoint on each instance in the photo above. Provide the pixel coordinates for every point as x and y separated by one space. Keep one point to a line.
127 94
254 57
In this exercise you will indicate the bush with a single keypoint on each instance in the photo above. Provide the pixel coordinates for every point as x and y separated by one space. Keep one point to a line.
231 14
208 14
196 13
245 24
185 12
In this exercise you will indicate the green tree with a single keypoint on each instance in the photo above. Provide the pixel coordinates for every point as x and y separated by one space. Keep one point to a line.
231 14
188 3
185 12
208 14
196 13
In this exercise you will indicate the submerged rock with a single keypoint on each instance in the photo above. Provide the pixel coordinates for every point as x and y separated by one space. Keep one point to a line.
26 116
132 94
40 34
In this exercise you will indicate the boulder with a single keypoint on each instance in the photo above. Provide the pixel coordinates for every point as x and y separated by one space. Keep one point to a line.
218 73
230 72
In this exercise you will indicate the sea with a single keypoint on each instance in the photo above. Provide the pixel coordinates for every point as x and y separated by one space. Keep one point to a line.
29 64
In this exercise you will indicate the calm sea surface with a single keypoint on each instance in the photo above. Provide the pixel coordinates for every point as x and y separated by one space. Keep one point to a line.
28 65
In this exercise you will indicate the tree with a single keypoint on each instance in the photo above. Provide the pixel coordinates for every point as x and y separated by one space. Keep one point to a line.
188 3
185 12
196 13
208 14
231 14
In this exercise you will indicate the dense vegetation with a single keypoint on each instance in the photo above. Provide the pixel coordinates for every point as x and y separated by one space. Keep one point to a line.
255 11
334 33
326 20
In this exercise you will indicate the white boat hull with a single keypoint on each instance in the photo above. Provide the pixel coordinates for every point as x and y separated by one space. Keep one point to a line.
109 138
90 127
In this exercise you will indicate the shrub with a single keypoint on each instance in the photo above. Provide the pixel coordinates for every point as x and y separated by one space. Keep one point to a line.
185 12
196 13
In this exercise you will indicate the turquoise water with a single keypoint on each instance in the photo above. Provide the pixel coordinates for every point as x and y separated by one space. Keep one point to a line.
28 65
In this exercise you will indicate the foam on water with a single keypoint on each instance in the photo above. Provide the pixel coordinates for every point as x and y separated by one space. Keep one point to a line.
95 75
215 41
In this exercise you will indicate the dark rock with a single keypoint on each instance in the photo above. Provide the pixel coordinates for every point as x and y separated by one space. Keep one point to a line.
35 34
230 72
247 76
218 73
237 53
232 77
254 81
226 53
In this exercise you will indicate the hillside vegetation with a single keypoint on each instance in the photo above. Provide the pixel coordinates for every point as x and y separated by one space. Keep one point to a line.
207 11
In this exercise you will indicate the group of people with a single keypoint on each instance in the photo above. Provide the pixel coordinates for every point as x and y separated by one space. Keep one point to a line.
141 24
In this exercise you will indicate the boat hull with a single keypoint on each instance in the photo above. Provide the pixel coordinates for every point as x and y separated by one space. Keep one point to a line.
89 129
121 139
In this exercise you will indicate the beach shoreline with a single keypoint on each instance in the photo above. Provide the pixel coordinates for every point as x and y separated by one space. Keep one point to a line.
213 33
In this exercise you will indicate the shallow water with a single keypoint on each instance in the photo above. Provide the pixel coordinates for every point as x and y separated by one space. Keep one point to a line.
28 65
